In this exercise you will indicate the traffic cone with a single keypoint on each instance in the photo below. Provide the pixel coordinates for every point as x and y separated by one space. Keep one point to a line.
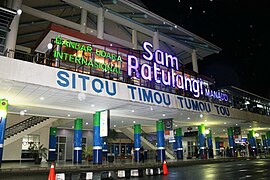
52 173
165 169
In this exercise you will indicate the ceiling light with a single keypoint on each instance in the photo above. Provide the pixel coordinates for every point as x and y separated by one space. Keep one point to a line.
86 123
72 127
110 44
151 108
205 120
41 98
176 125
250 126
92 105
190 8
223 129
49 45
201 115
257 135
225 123
163 114
68 115
132 110
22 113
19 11
114 125
175 26
134 122
188 117
122 121
207 131
25 110
236 124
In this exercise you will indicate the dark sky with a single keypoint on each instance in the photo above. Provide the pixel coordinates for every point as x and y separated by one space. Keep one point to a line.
240 27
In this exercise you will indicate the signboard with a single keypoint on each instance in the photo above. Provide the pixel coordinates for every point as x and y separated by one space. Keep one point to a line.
104 123
191 134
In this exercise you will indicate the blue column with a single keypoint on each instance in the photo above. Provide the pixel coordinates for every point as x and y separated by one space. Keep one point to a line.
77 141
210 145
217 142
137 142
179 146
202 141
252 142
104 149
268 141
264 144
231 142
97 141
160 141
3 118
52 144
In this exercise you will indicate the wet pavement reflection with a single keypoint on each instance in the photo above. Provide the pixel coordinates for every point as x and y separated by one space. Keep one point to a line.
249 169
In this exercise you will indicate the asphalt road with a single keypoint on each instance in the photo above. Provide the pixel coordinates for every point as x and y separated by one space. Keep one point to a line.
248 169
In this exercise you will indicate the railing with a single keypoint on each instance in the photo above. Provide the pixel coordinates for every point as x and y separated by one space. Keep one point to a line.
24 125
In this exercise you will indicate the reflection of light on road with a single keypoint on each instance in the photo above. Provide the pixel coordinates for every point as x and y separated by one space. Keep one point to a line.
248 176
242 170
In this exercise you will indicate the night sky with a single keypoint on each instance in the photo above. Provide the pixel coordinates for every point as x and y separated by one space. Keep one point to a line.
240 27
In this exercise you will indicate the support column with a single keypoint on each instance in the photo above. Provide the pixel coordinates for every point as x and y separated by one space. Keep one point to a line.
104 149
217 139
156 41
179 152
201 129
137 142
52 144
194 61
231 142
160 141
252 142
264 144
268 141
83 21
12 35
78 141
210 145
100 23
134 39
3 119
97 141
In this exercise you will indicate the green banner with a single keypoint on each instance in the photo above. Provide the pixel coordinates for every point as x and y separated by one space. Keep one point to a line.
53 131
78 124
230 131
160 125
178 132
96 121
201 129
137 129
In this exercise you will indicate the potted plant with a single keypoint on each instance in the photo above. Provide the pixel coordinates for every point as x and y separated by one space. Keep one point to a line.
88 153
38 152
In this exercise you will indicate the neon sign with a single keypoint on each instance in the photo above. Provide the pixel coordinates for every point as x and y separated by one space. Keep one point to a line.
64 56
156 72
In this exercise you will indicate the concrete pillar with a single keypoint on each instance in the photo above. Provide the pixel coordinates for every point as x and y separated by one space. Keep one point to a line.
201 140
179 145
160 141
52 144
100 23
231 142
3 119
78 141
156 41
83 21
194 61
210 145
134 39
137 142
12 35
97 141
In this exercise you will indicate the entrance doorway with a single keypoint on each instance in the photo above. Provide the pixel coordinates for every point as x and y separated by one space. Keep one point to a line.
61 144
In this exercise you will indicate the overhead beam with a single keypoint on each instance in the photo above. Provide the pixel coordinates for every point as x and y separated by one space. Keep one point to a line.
54 7
190 38
30 34
26 24
159 26
134 15
121 19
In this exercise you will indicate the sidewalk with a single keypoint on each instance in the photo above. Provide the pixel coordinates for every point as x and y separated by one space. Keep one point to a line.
30 167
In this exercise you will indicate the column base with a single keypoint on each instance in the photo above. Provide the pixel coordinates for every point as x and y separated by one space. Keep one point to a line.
77 156
97 156
203 154
161 155
137 156
179 154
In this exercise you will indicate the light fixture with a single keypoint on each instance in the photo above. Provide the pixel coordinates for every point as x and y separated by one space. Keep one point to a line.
201 115
151 108
86 123
72 127
225 123
122 121
132 110
236 124
257 135
190 7
163 114
49 45
188 117
68 115
19 11
250 126
41 98
81 96
114 125
22 113
92 105
207 131
134 122
25 110
110 44
205 120
175 26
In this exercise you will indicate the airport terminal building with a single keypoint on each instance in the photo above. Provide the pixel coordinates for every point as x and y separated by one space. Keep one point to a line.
110 77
